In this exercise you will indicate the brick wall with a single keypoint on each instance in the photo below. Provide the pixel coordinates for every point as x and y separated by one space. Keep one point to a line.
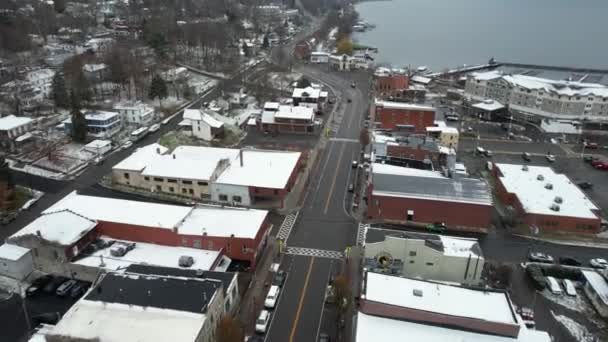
390 118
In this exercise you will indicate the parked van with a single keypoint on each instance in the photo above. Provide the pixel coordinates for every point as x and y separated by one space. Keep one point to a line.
569 287
553 286
481 151
261 324
271 297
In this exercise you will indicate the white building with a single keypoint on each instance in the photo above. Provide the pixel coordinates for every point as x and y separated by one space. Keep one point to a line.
596 288
99 147
427 311
426 256
42 79
137 113
100 124
308 97
319 57
12 127
15 261
203 125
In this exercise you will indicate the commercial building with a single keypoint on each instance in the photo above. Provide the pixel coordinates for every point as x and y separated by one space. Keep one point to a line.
286 119
319 57
544 199
15 261
406 117
446 136
137 113
596 289
428 311
100 124
401 195
204 125
240 177
389 82
13 127
312 97
536 98
406 150
238 233
427 256
141 307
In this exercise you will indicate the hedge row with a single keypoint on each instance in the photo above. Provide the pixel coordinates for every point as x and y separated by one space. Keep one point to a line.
538 273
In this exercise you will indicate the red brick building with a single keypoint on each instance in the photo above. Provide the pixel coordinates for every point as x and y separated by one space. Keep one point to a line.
389 82
286 119
546 200
400 194
405 117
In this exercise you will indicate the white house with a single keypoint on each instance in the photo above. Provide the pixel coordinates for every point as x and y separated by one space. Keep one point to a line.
137 113
15 261
203 125
12 127
42 79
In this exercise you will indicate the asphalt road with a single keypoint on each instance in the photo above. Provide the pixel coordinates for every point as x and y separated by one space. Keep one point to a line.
324 224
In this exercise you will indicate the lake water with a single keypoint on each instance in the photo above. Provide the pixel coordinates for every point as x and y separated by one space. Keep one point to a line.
449 33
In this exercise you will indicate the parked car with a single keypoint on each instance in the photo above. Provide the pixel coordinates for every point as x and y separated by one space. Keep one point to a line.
527 315
553 286
550 157
600 164
351 187
570 261
261 324
65 288
585 185
480 150
127 144
154 128
279 278
271 298
353 85
437 227
489 153
53 284
590 145
47 318
38 284
569 287
323 337
541 257
589 158
598 263
355 164
330 294
166 121
526 156
79 289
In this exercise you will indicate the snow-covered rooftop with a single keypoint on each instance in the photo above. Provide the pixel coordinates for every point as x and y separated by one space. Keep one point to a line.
12 252
457 246
487 75
59 225
421 79
295 112
402 105
559 87
308 92
223 222
262 169
561 126
122 211
143 156
439 298
151 254
379 168
119 322
101 115
489 105
373 328
198 115
98 144
94 67
443 129
271 106
598 283
536 198
11 121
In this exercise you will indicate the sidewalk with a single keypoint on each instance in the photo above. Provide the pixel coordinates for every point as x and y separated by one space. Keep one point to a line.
589 244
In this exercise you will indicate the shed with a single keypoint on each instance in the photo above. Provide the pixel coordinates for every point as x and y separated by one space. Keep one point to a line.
15 261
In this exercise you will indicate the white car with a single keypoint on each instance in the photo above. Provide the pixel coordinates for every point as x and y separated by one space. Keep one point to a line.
261 324
127 144
550 158
272 296
569 287
598 263
154 128
553 286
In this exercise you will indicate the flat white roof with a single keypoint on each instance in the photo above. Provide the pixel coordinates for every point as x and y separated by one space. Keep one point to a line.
489 105
271 105
402 105
598 283
263 169
457 246
295 112
150 254
486 75
211 121
388 169
443 129
223 222
307 92
110 322
12 252
373 328
11 121
98 144
536 199
421 79
199 115
122 211
59 225
439 298
139 159
101 115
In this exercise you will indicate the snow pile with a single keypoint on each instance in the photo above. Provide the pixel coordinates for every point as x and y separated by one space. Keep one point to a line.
573 303
578 331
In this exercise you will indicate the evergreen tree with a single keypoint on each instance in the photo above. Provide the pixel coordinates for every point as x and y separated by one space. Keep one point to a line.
59 91
265 42
59 6
79 122
158 89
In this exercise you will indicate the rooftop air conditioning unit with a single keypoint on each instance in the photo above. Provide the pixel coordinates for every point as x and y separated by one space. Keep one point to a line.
558 200
554 207
540 177
549 186
417 292
524 168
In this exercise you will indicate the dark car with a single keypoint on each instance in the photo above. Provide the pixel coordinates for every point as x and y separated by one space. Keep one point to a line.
47 318
526 156
53 284
279 278
79 289
590 159
323 337
38 285
585 185
570 261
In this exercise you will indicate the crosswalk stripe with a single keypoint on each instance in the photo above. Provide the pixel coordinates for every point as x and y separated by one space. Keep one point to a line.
361 232
287 225
320 253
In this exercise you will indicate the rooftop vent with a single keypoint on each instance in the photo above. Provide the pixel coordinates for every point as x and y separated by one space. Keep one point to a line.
524 168
554 207
540 177
558 200
549 186
417 292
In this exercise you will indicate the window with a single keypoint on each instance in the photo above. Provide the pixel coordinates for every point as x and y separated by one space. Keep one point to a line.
169 180
411 261
186 182
210 245
184 242
159 188
191 191
184 191
202 183
55 255
196 244
157 179
429 264
147 178
126 175
412 253
223 198
276 192
171 189
237 199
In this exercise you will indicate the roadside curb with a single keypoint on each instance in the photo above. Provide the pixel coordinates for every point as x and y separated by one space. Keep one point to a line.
566 243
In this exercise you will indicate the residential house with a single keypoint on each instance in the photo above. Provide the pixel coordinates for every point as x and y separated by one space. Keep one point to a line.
136 113
13 127
15 261
95 72
100 124
204 125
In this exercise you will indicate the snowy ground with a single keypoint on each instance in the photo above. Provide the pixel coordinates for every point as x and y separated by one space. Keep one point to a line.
282 80
66 159
578 331
33 170
201 83
578 303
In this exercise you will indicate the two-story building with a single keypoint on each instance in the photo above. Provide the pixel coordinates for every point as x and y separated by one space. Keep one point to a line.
203 125
399 116
100 124
136 113
311 97
286 119
12 127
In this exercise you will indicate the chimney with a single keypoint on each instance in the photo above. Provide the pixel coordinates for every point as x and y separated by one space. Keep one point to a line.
241 156
38 233
173 155
158 150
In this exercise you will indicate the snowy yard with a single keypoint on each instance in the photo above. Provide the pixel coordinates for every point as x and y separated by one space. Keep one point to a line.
576 330
66 159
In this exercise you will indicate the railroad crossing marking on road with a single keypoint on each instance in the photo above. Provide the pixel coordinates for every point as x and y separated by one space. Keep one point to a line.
361 233
320 253
286 226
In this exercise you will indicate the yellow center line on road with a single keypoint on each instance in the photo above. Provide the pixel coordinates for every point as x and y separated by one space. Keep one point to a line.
333 182
302 296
